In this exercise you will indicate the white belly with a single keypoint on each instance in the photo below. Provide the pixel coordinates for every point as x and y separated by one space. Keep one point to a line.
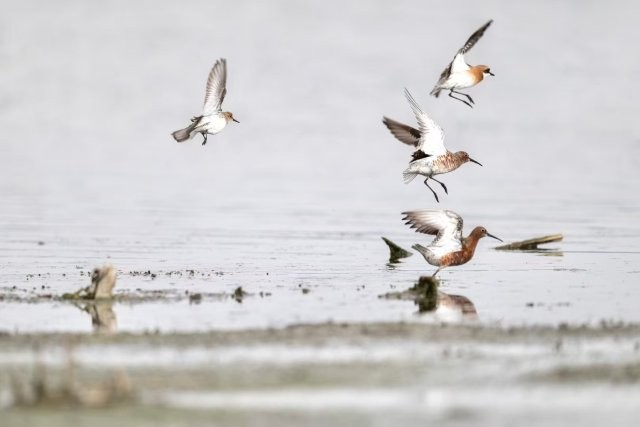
211 124
460 81
422 166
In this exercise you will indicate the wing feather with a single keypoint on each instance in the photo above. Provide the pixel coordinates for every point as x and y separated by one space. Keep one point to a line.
446 225
404 133
431 134
458 63
216 88
471 41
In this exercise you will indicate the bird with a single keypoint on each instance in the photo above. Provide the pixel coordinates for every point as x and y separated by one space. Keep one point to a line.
430 157
449 248
459 74
212 119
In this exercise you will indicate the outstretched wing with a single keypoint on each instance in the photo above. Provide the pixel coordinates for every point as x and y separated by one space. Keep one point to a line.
444 224
404 133
474 38
216 88
431 135
458 63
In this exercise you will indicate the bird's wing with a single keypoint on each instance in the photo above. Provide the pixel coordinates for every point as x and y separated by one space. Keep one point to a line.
404 133
444 224
431 135
474 38
216 88
458 64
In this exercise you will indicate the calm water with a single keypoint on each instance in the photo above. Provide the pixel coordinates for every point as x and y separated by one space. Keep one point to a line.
299 193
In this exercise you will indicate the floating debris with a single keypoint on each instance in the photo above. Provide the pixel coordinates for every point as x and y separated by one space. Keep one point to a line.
239 294
103 280
530 244
396 253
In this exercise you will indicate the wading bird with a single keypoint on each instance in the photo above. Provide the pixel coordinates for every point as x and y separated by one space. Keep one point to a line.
431 157
459 74
212 119
449 247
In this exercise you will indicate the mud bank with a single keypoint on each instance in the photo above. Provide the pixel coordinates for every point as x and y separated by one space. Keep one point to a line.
338 373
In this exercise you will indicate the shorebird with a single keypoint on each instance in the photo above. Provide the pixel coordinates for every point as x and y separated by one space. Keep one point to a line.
431 157
459 74
449 247
212 119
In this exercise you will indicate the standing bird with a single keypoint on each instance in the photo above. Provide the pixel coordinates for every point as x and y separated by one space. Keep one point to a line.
431 157
459 74
449 247
212 119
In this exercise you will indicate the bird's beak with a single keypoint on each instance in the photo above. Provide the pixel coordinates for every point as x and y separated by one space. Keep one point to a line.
475 161
491 73
497 238
235 120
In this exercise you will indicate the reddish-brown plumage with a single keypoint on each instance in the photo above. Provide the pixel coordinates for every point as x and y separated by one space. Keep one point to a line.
477 72
469 245
449 162
448 248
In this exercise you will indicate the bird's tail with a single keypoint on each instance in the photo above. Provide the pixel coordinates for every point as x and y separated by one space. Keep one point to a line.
408 175
424 251
183 134
435 91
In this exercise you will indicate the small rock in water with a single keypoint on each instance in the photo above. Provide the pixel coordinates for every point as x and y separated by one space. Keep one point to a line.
238 294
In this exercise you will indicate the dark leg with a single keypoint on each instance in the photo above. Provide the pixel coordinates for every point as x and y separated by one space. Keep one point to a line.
464 94
434 274
441 183
451 92
205 138
429 187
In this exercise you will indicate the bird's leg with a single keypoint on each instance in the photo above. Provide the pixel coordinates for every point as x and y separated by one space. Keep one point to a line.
464 94
205 138
433 276
429 187
451 92
441 183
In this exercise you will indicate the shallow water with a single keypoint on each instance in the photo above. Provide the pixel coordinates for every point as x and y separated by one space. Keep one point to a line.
299 194
291 203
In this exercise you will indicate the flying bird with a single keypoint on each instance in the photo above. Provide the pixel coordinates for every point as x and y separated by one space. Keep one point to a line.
430 157
212 119
459 74
449 248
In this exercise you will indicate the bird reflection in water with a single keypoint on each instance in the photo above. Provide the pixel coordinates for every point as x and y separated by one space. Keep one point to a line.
103 317
436 304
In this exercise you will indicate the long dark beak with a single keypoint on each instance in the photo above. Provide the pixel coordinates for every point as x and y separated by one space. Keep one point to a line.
475 161
497 238
491 73
235 120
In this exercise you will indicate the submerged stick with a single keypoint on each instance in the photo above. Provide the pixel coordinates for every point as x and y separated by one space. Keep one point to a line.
395 251
530 243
